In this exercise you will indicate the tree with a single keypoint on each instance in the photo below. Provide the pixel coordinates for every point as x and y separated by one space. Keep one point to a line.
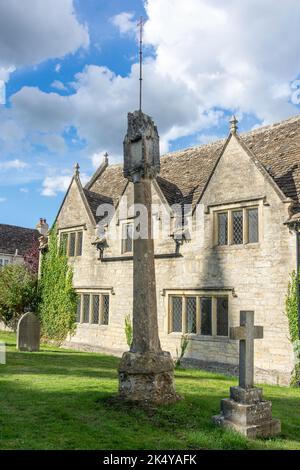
58 299
18 293
31 257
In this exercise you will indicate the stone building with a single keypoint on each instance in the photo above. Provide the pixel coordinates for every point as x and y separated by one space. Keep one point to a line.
15 242
236 253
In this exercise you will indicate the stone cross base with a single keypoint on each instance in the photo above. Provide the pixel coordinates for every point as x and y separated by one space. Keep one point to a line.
247 413
147 377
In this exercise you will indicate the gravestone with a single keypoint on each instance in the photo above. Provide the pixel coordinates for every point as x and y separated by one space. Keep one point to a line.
146 371
246 411
28 333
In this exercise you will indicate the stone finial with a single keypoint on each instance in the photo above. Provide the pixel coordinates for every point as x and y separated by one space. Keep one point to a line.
76 169
233 125
105 158
141 148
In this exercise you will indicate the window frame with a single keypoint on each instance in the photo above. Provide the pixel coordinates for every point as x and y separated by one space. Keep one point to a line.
4 262
198 295
91 294
67 234
245 228
124 240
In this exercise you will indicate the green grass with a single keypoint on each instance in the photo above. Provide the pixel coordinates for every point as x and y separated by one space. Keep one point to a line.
61 399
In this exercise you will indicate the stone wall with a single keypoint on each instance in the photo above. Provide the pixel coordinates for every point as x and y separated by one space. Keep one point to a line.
258 273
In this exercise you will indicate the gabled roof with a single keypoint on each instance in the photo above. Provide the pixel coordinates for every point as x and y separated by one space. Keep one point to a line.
94 200
14 238
185 174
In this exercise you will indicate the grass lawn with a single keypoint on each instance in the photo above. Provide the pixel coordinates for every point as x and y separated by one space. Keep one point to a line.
61 399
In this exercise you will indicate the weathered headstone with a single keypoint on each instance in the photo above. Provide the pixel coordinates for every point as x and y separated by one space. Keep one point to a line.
246 411
28 333
145 372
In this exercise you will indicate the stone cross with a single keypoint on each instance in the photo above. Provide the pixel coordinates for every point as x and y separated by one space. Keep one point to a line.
246 333
28 333
146 371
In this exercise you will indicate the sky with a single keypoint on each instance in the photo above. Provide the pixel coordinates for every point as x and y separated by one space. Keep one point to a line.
69 76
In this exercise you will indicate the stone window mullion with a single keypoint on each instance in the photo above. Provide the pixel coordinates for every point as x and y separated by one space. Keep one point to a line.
184 315
230 228
81 308
101 310
245 226
198 315
214 316
91 309
68 245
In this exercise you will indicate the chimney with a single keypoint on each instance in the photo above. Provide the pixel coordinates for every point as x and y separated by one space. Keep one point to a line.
42 227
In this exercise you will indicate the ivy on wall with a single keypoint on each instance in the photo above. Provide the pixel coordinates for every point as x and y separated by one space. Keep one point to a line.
292 315
58 298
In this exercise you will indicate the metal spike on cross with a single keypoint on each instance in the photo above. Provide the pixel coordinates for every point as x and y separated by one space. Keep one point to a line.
141 26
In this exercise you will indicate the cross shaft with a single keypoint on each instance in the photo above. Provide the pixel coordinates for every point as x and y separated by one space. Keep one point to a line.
246 333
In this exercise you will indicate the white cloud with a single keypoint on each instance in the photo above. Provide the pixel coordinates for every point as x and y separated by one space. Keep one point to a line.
124 22
57 68
211 56
52 185
58 85
55 184
97 158
2 199
24 190
34 30
13 165
232 53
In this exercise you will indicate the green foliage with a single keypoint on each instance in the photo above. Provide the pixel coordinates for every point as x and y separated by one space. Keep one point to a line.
76 391
128 330
18 293
183 346
292 315
58 299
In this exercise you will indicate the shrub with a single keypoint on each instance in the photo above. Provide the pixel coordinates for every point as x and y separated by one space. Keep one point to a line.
292 315
58 298
128 330
183 347
18 293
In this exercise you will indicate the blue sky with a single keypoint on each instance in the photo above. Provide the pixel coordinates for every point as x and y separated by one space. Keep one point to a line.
71 75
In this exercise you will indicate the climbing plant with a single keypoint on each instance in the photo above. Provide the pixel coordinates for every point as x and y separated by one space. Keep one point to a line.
292 315
128 330
58 299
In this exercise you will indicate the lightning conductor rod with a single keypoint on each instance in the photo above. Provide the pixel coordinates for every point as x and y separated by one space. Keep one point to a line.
140 25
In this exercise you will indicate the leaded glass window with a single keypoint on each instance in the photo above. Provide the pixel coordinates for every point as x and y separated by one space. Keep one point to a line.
78 312
222 316
191 315
176 314
206 316
223 228
72 243
127 236
64 243
252 225
105 313
95 309
213 314
86 308
237 225
79 244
